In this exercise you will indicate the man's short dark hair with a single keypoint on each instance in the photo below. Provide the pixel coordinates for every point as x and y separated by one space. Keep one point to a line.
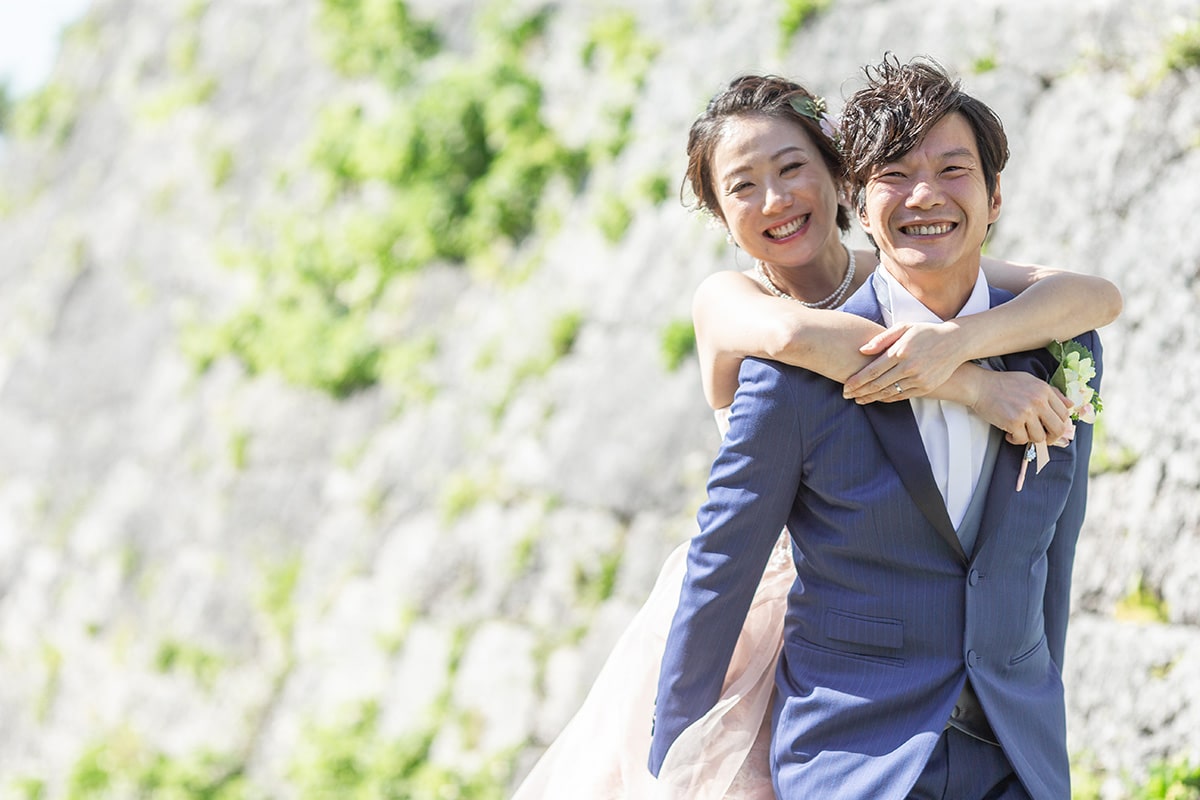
896 109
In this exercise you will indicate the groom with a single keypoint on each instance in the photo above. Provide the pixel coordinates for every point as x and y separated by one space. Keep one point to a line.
925 630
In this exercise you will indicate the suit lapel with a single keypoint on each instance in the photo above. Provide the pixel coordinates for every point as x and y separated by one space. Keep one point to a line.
1008 461
896 428
897 431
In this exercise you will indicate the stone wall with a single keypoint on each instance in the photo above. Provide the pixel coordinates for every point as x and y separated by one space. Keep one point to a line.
221 562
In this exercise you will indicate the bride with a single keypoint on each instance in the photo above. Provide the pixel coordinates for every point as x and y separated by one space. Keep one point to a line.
787 211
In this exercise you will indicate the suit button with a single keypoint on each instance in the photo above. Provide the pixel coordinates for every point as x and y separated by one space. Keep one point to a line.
973 577
956 713
973 658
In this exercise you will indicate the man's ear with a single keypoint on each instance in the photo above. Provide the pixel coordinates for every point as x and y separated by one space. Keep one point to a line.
994 203
863 219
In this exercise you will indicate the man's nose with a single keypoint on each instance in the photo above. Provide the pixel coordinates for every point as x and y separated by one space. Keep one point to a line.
924 194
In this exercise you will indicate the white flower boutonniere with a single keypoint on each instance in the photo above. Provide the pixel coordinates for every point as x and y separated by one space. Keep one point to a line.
1076 368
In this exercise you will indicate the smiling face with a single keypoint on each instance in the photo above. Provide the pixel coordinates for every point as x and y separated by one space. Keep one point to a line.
929 210
776 193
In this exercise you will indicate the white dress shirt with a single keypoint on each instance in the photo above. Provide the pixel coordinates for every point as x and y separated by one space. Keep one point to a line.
955 438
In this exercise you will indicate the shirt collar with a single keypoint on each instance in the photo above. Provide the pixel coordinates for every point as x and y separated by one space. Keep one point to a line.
899 306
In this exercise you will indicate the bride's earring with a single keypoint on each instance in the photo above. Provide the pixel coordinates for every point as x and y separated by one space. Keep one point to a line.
843 198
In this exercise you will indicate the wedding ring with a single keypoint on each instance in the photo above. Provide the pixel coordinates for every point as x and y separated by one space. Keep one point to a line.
896 386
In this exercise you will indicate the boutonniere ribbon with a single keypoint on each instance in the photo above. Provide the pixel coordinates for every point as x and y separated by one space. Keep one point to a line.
1076 367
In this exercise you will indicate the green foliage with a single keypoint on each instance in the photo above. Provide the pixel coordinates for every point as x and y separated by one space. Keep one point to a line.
126 767
275 598
798 12
564 330
460 494
466 159
656 188
183 86
177 656
392 641
984 64
239 444
52 659
195 10
181 93
30 788
1162 669
456 167
594 582
524 551
376 38
1142 604
302 330
616 212
678 341
184 51
49 112
402 365
6 105
221 165
1175 780
350 760
1183 49
615 46
353 761
614 218
1108 457
1086 779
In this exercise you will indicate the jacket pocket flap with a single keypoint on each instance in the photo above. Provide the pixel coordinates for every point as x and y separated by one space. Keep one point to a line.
844 626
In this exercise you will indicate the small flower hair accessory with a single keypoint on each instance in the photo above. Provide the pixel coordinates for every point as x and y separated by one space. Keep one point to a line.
1076 367
815 109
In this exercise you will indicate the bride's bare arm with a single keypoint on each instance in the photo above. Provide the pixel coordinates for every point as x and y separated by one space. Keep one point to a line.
734 318
1052 304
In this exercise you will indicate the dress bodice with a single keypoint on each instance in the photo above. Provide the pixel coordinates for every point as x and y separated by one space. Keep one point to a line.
721 415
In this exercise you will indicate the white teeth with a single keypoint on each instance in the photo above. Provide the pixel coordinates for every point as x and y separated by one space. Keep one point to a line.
928 230
788 229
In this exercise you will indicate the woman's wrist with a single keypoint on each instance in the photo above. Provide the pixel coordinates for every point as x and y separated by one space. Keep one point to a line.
964 386
972 336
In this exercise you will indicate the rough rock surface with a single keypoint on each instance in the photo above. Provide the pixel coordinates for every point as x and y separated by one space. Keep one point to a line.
217 561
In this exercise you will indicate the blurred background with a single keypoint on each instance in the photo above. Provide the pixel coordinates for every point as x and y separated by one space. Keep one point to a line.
348 403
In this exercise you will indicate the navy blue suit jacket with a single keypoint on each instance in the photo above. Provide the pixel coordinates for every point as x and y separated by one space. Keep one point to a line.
888 616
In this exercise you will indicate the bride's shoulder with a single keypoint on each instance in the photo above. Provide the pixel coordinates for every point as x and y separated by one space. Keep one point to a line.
712 297
728 279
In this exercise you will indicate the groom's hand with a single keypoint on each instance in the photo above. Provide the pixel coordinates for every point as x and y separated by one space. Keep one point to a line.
1025 407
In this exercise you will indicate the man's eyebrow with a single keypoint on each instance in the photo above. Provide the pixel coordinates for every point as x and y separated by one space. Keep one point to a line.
958 151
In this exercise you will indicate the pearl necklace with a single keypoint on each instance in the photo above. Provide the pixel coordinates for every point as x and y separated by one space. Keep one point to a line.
832 301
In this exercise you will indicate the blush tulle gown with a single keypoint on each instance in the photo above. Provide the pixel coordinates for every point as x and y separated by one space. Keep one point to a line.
602 753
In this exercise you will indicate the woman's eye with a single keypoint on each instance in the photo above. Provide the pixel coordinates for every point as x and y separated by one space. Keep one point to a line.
791 168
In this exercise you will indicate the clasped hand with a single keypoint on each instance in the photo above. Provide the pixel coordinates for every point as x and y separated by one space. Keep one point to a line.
926 359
